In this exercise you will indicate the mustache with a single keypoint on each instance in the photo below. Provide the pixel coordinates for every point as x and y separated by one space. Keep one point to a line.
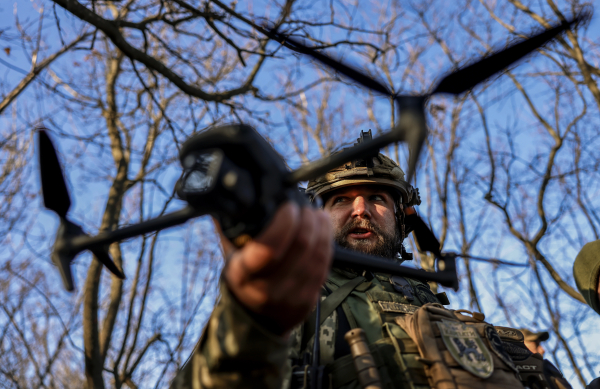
361 223
386 245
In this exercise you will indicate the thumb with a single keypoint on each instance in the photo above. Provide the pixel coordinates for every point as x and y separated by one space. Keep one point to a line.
266 249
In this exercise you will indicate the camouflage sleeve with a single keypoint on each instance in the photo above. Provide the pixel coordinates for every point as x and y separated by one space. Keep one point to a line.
586 271
234 352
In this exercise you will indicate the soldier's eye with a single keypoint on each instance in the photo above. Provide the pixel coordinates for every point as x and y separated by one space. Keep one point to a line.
338 200
377 197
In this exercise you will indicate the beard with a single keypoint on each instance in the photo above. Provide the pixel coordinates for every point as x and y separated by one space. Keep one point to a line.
386 245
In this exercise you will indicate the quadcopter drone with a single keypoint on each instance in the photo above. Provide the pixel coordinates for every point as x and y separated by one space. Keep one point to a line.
233 174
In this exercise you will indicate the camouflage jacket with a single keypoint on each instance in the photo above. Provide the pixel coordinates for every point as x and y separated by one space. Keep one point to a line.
236 352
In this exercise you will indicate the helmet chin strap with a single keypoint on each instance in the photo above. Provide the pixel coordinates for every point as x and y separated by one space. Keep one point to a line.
400 215
399 212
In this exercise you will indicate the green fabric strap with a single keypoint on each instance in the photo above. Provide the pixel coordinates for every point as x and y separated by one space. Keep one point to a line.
337 297
329 305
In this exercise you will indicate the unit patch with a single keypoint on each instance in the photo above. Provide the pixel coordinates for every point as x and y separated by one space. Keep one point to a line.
507 333
425 294
467 348
390 306
496 346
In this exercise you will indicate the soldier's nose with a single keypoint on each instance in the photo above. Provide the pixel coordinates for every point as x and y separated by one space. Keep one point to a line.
360 207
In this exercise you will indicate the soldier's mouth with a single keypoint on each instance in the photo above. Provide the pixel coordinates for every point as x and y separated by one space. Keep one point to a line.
360 233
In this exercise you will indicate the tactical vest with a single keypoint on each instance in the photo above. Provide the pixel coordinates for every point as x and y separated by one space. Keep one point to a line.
373 306
384 309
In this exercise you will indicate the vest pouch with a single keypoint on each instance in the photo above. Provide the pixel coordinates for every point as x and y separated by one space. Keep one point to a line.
409 372
455 350
343 373
408 357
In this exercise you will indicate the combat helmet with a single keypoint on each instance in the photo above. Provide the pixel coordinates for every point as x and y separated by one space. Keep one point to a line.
372 170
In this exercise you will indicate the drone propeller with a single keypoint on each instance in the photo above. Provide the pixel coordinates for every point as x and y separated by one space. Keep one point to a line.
54 188
467 77
57 199
349 71
454 83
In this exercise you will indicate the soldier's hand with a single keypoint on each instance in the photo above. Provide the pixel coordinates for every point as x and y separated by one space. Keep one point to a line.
278 276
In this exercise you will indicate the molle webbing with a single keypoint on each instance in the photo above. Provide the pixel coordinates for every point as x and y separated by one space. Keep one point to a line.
403 367
396 355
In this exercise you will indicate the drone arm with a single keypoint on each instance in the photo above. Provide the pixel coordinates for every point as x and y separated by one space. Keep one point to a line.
411 128
322 166
446 275
81 243
63 262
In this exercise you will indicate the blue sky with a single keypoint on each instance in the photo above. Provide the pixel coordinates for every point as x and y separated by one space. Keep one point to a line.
86 166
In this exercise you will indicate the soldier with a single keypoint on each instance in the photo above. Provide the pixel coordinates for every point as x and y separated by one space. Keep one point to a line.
257 335
586 271
533 340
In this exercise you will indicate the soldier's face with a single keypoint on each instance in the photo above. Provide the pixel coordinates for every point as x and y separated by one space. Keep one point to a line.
363 218
535 347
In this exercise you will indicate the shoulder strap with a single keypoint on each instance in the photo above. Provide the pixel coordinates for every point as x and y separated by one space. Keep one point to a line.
329 305
336 298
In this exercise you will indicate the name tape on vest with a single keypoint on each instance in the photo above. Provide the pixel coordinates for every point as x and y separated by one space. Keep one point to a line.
390 306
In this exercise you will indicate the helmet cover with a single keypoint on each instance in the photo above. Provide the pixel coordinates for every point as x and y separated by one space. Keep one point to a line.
383 171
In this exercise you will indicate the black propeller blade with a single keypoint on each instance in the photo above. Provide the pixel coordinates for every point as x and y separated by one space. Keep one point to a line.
456 82
56 198
466 78
103 256
54 187
354 74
